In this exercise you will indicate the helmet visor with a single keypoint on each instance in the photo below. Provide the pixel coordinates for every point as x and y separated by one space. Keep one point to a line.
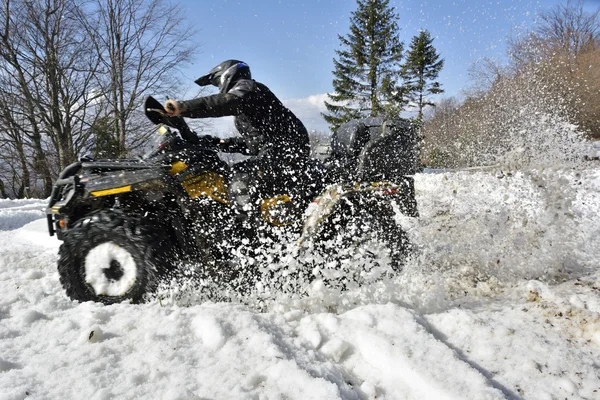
203 80
209 79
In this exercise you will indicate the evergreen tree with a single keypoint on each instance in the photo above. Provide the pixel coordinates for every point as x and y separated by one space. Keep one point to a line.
106 144
421 68
367 69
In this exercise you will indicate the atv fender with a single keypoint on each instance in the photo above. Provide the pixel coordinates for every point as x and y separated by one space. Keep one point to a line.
124 181
325 206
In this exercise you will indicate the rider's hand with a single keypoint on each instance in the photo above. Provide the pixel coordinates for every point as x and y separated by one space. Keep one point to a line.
174 107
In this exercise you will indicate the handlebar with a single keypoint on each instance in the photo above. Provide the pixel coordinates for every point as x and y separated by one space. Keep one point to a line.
158 115
158 110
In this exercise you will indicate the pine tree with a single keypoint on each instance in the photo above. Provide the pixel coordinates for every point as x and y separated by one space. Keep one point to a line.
106 144
367 69
421 68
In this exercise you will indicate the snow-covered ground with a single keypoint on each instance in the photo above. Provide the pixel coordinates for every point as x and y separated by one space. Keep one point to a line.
501 300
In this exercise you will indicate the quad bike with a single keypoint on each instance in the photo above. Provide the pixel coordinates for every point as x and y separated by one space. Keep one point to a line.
127 224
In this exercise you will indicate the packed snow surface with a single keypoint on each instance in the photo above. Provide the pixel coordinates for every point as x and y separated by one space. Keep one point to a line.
501 299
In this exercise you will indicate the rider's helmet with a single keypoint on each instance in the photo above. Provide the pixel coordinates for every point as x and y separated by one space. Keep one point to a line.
225 74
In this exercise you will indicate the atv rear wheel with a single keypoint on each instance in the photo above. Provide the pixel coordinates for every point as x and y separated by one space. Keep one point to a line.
361 244
109 257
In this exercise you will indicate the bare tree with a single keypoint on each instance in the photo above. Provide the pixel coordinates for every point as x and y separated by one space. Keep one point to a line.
526 112
48 71
58 91
17 83
57 51
587 86
565 31
141 45
564 52
13 152
483 74
570 28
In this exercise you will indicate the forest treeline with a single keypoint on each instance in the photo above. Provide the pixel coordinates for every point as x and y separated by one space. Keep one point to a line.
539 101
72 76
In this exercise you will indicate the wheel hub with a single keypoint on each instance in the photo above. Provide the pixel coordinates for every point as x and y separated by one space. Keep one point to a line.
110 269
115 271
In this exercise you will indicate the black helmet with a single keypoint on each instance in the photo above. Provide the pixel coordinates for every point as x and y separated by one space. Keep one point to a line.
224 74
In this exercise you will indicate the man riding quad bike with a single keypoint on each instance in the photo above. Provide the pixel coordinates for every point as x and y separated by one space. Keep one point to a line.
127 225
270 132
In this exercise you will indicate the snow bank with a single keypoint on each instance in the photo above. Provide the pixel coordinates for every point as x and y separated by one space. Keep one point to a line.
480 230
16 213
501 300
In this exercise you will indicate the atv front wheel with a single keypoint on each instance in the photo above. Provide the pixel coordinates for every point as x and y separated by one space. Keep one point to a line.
109 257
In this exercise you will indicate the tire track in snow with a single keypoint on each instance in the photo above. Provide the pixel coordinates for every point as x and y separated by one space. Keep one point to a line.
462 356
395 356
286 364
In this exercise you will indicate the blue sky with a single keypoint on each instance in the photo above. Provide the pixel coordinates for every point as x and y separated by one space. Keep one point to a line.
290 45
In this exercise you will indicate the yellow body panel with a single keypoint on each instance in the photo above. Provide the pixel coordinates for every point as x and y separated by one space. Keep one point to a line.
108 192
177 167
209 184
267 206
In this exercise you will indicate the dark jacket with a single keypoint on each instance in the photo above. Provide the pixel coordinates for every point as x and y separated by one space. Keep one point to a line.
265 124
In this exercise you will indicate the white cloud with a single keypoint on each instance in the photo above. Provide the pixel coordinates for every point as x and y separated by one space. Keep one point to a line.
309 111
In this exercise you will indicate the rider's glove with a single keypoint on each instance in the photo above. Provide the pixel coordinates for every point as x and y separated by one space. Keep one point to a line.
174 108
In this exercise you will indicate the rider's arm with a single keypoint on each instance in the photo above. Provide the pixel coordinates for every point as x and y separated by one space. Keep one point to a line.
219 105
216 105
